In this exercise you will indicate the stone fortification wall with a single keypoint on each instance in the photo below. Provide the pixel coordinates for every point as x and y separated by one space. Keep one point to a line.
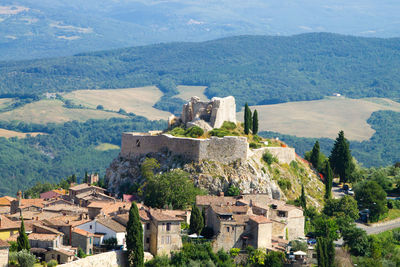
108 259
225 150
283 154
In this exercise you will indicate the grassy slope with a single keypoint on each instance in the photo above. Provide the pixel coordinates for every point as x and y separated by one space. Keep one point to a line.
46 111
8 133
140 100
323 118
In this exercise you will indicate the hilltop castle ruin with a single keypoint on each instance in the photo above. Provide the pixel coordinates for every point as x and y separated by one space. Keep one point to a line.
207 115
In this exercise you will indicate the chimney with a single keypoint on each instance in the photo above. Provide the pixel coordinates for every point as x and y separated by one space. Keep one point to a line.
221 194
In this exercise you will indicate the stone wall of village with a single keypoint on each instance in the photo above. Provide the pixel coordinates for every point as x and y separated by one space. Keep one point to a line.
109 259
283 154
226 149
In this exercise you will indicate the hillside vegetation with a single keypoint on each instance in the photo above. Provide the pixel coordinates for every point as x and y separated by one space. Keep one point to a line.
255 69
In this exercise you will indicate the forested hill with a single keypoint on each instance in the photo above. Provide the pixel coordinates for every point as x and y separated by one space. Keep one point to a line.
256 69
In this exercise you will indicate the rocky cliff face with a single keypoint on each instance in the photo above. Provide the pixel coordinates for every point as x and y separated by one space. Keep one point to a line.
250 176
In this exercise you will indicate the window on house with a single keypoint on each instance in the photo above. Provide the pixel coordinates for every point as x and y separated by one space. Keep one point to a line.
138 143
281 213
90 240
168 227
244 227
227 229
147 240
147 226
168 240
162 240
90 226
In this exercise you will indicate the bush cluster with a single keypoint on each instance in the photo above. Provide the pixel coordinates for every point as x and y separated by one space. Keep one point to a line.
269 158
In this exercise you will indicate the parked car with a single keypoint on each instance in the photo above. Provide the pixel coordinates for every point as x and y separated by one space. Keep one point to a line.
345 187
311 241
350 192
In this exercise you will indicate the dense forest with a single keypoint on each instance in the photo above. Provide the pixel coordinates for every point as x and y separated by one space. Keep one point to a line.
274 69
63 150
381 150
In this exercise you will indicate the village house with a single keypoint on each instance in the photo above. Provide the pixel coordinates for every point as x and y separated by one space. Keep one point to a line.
61 255
8 227
4 251
5 204
20 204
83 194
55 193
253 219
105 228
83 239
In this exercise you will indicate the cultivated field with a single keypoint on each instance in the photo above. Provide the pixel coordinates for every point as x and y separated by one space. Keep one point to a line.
46 111
137 100
4 102
7 134
186 92
322 118
106 147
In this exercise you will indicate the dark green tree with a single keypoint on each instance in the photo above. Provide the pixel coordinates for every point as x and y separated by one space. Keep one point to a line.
134 238
370 195
340 159
328 180
22 239
85 179
196 221
357 240
148 166
233 191
325 252
337 207
274 259
173 187
303 199
247 119
255 122
314 158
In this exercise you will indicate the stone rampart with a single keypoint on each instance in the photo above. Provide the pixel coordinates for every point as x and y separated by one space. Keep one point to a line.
107 259
224 150
283 154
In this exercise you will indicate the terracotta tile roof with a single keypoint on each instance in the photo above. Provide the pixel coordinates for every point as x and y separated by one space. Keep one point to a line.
4 244
107 208
215 200
84 186
37 202
65 207
111 224
62 251
60 191
42 237
34 215
260 219
160 216
6 223
240 219
49 229
6 201
82 232
13 238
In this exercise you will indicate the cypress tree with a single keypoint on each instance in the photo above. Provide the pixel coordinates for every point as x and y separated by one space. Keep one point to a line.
340 159
314 158
303 200
22 240
255 122
328 180
325 252
134 238
247 119
196 221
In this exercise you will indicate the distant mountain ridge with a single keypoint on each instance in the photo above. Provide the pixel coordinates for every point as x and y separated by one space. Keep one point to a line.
254 69
47 28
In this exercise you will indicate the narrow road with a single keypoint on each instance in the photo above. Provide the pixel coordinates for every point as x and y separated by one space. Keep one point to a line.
371 230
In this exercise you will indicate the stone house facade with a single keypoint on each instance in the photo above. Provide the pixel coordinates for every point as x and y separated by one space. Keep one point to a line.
4 251
83 239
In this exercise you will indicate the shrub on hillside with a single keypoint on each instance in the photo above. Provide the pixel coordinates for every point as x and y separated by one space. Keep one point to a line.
25 258
228 125
269 158
285 184
254 145
52 263
194 132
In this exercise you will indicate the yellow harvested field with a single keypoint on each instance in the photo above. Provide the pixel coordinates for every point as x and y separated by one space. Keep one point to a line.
137 100
7 134
45 111
186 92
322 118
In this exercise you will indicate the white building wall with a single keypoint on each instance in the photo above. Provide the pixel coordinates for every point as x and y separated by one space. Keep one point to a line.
99 228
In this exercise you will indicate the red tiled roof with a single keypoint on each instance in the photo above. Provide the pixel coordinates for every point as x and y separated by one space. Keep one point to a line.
82 232
260 219
216 200
42 237
4 244
160 216
6 223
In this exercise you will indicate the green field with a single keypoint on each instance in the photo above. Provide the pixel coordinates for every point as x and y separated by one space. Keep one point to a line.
8 133
46 111
106 147
138 100
323 118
